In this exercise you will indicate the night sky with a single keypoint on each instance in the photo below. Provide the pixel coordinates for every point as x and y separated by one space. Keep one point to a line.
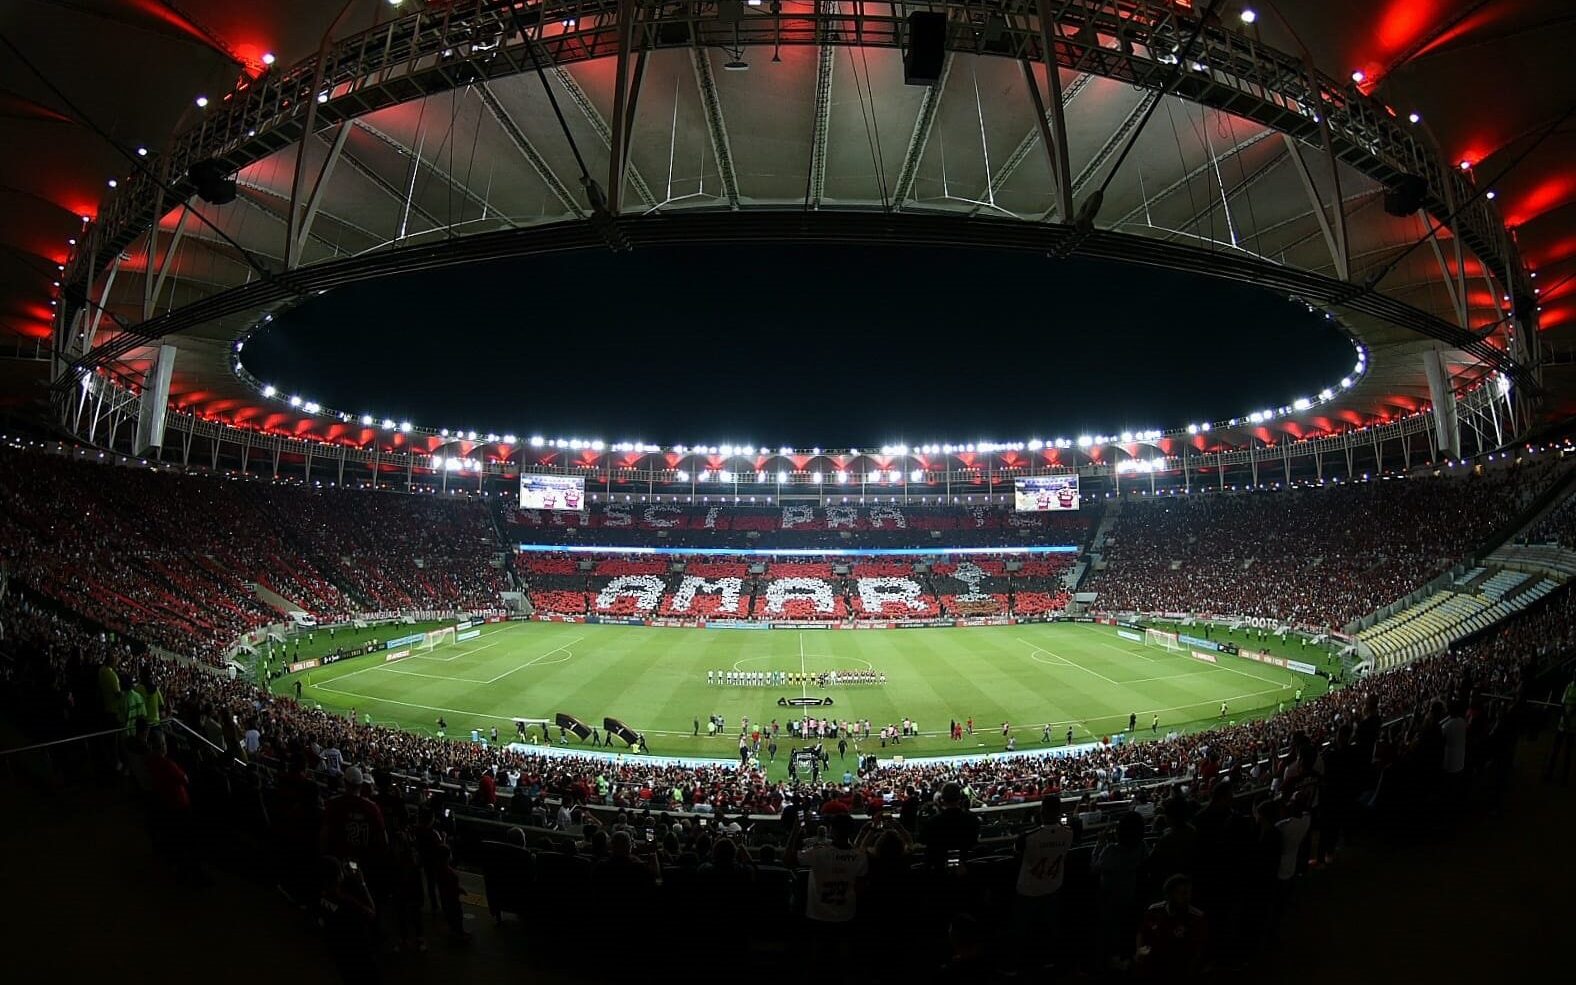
837 347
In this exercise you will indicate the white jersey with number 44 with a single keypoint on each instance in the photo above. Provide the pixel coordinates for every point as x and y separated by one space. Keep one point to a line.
1044 851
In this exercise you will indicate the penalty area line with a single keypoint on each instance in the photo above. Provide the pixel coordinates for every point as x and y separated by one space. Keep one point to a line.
412 704
1066 661
561 648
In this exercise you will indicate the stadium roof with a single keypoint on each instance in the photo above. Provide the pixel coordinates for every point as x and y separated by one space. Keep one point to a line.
435 136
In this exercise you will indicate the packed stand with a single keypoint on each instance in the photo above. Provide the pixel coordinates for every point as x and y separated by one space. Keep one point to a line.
1558 526
1317 558
799 526
1262 802
170 559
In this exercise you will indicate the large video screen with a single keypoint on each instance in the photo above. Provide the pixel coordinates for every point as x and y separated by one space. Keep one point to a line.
552 492
1044 493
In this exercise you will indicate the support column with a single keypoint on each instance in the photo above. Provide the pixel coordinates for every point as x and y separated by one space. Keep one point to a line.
618 158
1447 427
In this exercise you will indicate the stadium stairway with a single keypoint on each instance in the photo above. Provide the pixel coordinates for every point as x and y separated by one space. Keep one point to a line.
274 599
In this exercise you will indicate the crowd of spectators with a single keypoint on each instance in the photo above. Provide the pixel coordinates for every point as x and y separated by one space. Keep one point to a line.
170 559
1249 807
1212 828
1311 557
801 526
1558 526
638 585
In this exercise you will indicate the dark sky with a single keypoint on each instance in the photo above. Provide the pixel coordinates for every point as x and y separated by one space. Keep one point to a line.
844 346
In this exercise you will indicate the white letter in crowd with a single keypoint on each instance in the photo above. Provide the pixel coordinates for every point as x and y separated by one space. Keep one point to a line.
617 516
654 517
794 516
880 514
841 516
646 590
784 589
877 592
692 585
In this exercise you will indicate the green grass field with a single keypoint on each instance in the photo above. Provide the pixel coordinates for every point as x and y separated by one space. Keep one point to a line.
655 679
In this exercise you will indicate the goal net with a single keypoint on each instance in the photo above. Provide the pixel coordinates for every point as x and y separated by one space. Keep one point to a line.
436 638
1161 638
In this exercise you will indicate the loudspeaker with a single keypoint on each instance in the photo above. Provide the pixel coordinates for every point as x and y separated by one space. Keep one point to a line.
573 724
615 727
214 184
1405 195
927 48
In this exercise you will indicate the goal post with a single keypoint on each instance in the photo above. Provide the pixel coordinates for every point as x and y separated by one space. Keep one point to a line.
436 638
1163 639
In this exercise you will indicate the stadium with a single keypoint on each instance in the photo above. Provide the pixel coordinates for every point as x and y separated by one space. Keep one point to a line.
1015 490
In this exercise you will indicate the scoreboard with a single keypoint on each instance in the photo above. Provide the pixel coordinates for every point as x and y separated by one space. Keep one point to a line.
552 492
1045 493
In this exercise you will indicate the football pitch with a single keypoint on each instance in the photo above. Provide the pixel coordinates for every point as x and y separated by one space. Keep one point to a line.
1065 675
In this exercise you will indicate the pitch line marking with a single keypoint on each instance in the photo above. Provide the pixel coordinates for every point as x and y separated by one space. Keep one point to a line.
562 648
1128 653
818 656
462 653
411 704
804 681
1069 663
434 677
466 680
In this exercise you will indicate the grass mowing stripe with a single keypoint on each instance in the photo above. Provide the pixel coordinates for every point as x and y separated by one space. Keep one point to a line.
655 679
